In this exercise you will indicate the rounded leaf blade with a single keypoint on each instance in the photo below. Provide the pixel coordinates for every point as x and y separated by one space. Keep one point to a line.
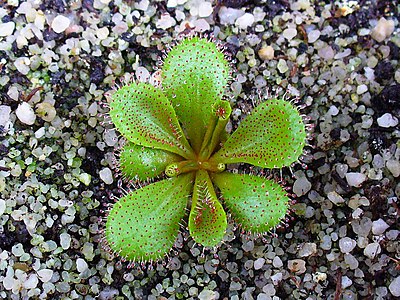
143 225
145 117
194 76
139 162
272 136
256 203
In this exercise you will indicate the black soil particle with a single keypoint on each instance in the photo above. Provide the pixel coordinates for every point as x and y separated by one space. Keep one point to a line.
92 162
96 70
377 140
234 3
377 195
50 35
384 70
9 238
388 100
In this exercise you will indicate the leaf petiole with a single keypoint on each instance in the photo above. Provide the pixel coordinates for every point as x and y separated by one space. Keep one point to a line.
216 126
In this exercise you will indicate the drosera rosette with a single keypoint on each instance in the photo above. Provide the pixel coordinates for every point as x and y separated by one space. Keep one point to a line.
178 129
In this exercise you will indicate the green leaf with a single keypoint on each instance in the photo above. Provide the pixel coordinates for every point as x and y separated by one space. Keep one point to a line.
256 203
207 219
145 117
138 162
272 136
194 76
143 225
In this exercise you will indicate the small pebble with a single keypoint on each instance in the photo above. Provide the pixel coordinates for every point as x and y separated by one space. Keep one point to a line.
17 250
394 287
102 33
276 278
361 89
31 282
207 295
335 198
46 111
342 54
351 261
379 227
45 275
346 282
301 186
326 53
383 29
106 175
392 234
355 179
266 53
282 66
319 276
289 33
333 110
25 113
22 65
5 111
371 250
269 289
387 120
394 167
65 240
166 21
228 15
81 265
313 36
108 293
205 9
85 178
297 266
308 249
60 23
6 29
347 245
2 207
277 262
258 263
326 242
224 275
201 25
142 5
245 21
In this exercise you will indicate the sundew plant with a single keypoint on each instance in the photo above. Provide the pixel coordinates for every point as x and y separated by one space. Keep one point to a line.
179 129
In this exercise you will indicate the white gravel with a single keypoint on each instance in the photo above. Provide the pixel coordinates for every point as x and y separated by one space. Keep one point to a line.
60 23
387 120
25 113
394 287
7 29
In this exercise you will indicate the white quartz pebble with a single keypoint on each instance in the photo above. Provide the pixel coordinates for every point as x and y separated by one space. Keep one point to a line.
60 23
106 175
45 275
371 250
383 29
289 33
394 287
25 113
81 265
2 207
387 120
355 179
7 29
379 226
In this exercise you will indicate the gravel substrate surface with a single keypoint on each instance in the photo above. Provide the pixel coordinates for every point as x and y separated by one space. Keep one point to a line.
340 58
